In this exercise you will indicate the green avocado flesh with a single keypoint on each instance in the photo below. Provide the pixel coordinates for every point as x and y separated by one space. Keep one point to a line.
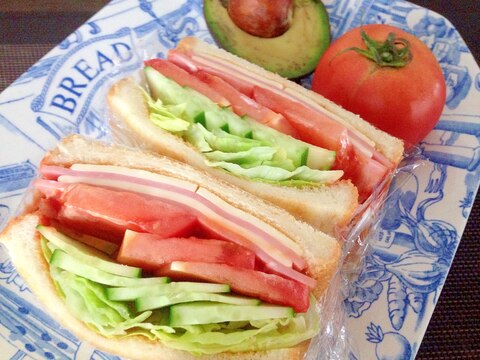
239 145
293 54
201 318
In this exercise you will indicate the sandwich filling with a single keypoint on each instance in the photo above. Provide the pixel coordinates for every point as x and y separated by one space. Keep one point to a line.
189 108
252 95
138 253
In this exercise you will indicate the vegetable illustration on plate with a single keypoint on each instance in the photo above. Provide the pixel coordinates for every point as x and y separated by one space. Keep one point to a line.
389 345
410 256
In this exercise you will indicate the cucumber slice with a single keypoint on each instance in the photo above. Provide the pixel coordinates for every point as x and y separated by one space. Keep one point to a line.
47 253
69 263
196 136
87 254
226 142
132 293
237 125
319 158
156 302
295 150
200 119
161 87
208 313
214 120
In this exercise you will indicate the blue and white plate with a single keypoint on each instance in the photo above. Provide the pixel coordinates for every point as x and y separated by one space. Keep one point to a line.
389 304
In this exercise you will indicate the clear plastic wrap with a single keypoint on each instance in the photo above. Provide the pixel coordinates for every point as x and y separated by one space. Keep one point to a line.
333 340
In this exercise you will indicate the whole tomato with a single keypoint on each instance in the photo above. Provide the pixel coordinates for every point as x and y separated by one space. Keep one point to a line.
387 76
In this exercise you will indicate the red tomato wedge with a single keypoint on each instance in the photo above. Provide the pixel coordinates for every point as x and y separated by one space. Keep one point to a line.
314 128
243 105
317 129
107 213
183 78
267 287
150 251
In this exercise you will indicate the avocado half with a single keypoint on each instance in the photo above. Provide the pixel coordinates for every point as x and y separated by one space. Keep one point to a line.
293 54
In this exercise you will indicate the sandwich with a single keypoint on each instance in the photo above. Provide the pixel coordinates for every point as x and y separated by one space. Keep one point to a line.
149 258
259 131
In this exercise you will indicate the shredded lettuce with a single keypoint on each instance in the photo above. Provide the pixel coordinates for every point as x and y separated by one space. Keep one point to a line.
272 173
223 141
87 301
168 117
259 158
252 156
255 335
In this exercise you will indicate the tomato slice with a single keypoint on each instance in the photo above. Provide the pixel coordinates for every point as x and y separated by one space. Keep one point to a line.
150 251
107 213
317 129
313 127
265 262
183 78
49 208
366 173
267 287
238 92
243 105
199 201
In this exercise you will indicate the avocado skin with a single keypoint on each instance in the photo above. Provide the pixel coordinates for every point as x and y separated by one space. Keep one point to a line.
292 55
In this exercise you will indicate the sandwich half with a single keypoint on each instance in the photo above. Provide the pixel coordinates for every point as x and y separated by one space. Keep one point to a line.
257 130
149 258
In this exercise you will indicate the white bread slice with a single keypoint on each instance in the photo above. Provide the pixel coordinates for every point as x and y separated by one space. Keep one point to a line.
321 251
326 207
390 146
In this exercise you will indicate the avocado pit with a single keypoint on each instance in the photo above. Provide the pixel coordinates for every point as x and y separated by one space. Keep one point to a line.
262 18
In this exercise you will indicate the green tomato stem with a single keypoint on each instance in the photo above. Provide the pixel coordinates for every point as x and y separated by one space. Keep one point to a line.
393 52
